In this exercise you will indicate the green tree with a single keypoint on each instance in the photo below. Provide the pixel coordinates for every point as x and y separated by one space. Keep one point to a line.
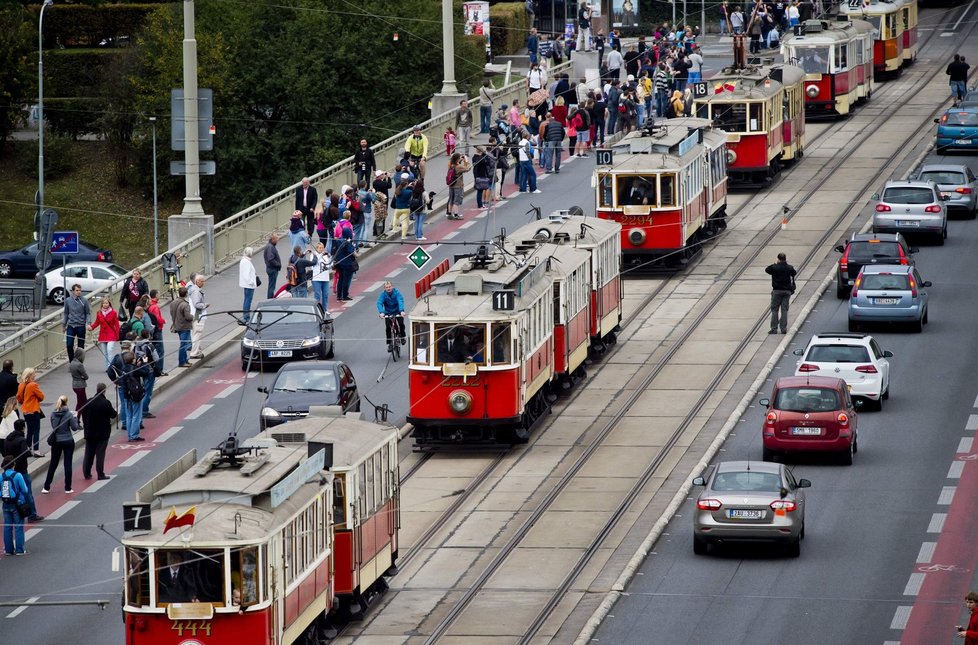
18 68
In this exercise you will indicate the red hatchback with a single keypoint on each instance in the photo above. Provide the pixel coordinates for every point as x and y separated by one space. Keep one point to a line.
810 414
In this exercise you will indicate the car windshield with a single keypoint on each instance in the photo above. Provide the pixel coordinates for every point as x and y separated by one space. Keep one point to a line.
305 381
869 250
884 282
908 195
838 354
961 118
944 177
807 399
273 313
747 481
116 269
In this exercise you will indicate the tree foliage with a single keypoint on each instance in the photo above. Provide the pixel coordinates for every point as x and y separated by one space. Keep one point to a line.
18 68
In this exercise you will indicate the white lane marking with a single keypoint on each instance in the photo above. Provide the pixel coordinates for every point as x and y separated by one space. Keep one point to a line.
355 300
96 485
936 523
467 224
448 236
965 444
397 272
134 459
64 508
900 617
913 585
947 34
373 287
169 433
227 391
947 495
29 533
251 374
204 407
976 402
954 472
336 315
17 612
972 422
926 552
963 14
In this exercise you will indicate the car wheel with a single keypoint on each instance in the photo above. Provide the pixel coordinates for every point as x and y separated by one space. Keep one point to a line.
926 316
846 458
244 366
6 269
841 291
886 393
941 150
329 354
700 546
801 536
917 326
794 548
939 240
855 444
58 296
767 454
974 212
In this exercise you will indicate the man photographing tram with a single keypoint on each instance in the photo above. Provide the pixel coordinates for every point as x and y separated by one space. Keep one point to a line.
390 302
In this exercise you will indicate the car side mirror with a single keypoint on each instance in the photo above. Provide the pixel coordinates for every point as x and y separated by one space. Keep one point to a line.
699 481
263 389
784 492
937 121
840 249
765 402
799 352
927 283
875 196
887 354
804 483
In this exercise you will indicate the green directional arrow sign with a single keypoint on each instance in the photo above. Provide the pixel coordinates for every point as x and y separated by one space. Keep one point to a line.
419 257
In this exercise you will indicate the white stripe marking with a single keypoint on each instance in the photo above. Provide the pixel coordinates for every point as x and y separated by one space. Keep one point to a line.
467 224
947 34
336 314
355 300
963 14
900 617
947 495
965 444
134 459
448 236
96 485
954 472
204 407
30 601
397 272
169 433
913 585
29 533
227 391
972 422
251 374
374 287
936 523
926 552
976 402
64 508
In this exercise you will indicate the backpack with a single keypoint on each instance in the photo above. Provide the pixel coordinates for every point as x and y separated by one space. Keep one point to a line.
124 330
8 490
153 319
115 368
449 178
291 275
132 387
416 203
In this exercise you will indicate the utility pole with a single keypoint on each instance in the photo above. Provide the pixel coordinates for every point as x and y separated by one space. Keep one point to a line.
191 202
449 97
40 109
156 204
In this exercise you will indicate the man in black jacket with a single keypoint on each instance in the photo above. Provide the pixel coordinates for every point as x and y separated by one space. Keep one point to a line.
306 199
273 263
363 162
782 286
98 415
15 445
8 382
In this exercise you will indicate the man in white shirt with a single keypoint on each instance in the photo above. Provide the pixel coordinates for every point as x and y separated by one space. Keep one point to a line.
320 276
198 307
695 66
536 79
615 62
528 176
248 281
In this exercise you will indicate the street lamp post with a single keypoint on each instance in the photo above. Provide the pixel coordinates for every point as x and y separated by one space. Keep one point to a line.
40 108
156 208
191 202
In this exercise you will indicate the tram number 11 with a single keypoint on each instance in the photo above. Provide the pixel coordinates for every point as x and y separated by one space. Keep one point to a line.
503 300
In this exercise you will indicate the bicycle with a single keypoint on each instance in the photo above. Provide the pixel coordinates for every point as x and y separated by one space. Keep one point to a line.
394 333
171 274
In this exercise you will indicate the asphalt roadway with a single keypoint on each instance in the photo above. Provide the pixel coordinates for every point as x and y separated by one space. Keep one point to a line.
889 549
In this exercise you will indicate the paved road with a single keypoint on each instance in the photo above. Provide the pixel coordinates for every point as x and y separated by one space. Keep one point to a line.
894 531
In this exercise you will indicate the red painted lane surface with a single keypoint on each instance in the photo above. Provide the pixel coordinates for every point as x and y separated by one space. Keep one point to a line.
939 605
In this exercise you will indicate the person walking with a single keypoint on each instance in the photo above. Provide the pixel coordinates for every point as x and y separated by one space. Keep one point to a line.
528 176
957 71
248 281
98 415
182 325
306 199
382 188
77 316
198 307
346 266
485 107
273 263
584 27
402 208
366 197
8 382
133 391
29 396
15 446
62 443
419 206
364 162
458 165
145 352
13 490
133 288
107 322
782 286
482 172
463 125
533 45
970 633
79 379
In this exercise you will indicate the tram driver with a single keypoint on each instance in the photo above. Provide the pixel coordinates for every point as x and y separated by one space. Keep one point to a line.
177 578
636 191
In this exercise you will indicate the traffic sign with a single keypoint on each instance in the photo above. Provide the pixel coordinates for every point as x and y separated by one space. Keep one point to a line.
419 257
64 242
604 157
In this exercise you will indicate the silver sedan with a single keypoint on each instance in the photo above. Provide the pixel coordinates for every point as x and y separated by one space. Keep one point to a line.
956 182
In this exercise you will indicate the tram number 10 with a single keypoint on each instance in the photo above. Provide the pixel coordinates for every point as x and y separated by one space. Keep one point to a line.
503 300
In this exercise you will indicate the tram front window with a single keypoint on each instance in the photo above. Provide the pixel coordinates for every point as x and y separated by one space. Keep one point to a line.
730 117
420 338
814 60
636 191
501 343
137 577
460 344
244 577
339 501
667 190
875 21
192 575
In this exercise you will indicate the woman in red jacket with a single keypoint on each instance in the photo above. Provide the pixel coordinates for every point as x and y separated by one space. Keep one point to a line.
970 635
107 321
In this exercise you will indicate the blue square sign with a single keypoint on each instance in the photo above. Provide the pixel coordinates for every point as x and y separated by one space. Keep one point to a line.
64 242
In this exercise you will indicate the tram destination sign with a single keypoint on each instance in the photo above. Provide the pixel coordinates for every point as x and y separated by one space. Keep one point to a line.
604 157
419 258
504 300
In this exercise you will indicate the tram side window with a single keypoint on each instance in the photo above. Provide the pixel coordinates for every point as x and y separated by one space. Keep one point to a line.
876 21
605 190
244 577
756 115
636 191
841 57
137 577
191 575
703 110
814 60
891 25
731 117
501 343
339 500
667 190
421 337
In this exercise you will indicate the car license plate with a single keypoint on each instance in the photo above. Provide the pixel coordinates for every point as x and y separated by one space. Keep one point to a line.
806 431
280 353
907 222
885 301
744 514
964 142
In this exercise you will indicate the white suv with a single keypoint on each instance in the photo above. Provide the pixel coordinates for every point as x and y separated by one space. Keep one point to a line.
855 358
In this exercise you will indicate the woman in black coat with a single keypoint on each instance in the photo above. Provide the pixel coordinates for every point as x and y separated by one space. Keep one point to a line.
98 416
133 289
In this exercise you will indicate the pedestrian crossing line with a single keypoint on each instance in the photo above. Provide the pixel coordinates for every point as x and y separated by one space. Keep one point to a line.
467 225
29 533
169 433
972 422
227 391
204 407
965 444
947 495
134 459
936 523
19 610
96 486
394 273
926 552
354 301
976 402
448 236
61 510
900 617
914 583
954 472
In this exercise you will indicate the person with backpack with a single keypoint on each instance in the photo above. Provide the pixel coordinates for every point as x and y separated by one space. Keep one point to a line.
418 206
402 208
14 493
98 415
62 443
15 446
145 351
152 307
133 392
133 288
346 266
115 372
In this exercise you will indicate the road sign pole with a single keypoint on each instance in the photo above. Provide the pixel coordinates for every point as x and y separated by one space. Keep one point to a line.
64 276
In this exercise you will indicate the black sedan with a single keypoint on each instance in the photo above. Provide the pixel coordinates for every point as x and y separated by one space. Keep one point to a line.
20 262
287 329
299 385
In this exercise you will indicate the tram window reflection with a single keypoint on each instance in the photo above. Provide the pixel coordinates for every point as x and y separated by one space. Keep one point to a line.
190 575
339 500
460 343
501 343
244 577
875 21
814 60
731 117
421 337
636 191
137 577
605 190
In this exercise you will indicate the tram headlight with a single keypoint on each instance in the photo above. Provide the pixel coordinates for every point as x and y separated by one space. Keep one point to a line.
731 156
812 91
269 412
636 236
460 401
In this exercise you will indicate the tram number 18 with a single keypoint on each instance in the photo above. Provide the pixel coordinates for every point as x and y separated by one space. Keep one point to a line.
503 300
700 90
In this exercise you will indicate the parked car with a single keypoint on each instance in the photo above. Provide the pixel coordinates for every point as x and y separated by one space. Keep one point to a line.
869 248
287 329
889 293
300 385
957 129
747 501
856 358
956 182
810 414
907 206
90 275
20 262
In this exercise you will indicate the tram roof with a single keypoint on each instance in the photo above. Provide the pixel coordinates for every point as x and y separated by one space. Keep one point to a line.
565 259
872 7
580 231
751 83
640 150
822 32
353 440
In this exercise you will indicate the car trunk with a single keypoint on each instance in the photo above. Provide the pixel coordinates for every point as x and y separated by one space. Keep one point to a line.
745 508
807 425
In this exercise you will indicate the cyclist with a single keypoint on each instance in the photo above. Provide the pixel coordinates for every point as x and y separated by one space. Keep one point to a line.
417 148
171 270
390 302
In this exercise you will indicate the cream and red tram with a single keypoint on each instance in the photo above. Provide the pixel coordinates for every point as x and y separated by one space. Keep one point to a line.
894 31
752 106
667 188
837 59
240 547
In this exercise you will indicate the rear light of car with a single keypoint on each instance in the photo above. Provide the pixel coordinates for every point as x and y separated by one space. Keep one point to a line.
883 208
784 505
101 257
844 260
843 419
913 286
903 257
963 191
933 208
808 367
856 285
867 369
772 417
708 504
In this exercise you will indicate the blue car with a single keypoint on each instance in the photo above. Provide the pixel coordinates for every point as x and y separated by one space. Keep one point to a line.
892 293
958 129
19 263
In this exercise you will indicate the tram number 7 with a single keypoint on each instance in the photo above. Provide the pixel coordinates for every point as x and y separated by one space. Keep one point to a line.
503 300
180 626
136 517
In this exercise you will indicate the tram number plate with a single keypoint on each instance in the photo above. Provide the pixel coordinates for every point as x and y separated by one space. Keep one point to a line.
745 514
885 301
280 353
806 431
908 222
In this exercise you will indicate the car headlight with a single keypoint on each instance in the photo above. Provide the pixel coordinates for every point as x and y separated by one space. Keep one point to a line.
247 342
311 341
460 401
269 412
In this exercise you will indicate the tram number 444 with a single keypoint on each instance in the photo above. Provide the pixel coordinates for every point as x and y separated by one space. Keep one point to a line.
504 300
192 627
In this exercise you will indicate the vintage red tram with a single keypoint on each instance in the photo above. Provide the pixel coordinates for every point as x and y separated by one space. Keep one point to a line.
894 31
257 553
837 58
667 188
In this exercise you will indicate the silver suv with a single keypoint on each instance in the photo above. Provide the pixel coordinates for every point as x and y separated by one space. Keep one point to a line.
911 207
